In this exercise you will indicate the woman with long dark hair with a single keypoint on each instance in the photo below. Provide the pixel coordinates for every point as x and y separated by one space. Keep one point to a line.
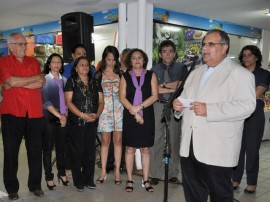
111 119
251 58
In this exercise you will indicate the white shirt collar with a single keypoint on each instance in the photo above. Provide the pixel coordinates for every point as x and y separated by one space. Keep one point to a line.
52 76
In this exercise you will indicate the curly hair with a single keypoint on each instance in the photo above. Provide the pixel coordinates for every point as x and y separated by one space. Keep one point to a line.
255 51
128 61
163 44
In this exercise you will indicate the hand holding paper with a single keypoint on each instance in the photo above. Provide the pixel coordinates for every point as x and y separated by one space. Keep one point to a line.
186 102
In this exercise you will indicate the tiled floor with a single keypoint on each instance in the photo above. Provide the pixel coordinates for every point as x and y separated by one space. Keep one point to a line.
109 192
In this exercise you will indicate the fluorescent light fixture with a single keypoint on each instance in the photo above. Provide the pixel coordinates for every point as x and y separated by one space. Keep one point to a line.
255 41
171 28
266 12
232 57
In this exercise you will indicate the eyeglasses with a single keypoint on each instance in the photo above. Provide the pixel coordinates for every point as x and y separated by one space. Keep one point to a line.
212 44
20 44
167 51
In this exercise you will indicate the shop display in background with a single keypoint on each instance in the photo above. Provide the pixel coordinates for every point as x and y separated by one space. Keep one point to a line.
3 48
43 51
45 45
187 41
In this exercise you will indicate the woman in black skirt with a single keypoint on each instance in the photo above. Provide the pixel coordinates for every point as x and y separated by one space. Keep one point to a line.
138 92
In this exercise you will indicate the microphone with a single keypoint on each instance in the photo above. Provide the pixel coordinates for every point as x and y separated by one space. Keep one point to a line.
194 58
193 61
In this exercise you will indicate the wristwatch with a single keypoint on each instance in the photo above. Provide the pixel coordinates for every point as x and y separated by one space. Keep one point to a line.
142 106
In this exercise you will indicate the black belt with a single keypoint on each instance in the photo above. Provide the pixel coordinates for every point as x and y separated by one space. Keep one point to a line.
163 101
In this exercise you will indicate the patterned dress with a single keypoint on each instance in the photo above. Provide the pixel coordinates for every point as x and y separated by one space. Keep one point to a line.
111 118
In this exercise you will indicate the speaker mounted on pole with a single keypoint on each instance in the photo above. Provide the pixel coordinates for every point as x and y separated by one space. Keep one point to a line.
77 28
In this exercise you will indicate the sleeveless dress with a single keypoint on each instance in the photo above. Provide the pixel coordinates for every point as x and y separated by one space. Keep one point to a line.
111 118
135 134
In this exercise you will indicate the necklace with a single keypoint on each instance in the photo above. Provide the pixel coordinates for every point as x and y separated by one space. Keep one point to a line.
85 80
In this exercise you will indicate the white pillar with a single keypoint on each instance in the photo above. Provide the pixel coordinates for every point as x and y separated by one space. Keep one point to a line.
265 46
141 23
132 25
122 42
149 34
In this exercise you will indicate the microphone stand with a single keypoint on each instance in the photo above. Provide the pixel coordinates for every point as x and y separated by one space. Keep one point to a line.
166 116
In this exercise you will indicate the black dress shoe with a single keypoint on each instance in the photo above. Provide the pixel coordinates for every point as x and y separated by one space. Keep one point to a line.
154 181
174 180
91 186
38 193
235 187
79 188
249 191
13 196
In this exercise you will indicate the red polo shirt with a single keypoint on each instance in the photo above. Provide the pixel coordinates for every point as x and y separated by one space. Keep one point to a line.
19 101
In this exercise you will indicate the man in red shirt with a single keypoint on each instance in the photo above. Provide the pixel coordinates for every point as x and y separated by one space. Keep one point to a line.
22 114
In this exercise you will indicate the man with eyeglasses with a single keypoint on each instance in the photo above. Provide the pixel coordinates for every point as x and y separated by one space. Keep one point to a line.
168 74
22 114
224 96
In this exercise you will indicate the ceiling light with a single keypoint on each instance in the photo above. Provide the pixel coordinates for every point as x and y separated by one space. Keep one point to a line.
266 12
255 41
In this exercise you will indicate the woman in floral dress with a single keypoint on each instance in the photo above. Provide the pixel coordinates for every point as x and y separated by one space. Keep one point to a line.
110 121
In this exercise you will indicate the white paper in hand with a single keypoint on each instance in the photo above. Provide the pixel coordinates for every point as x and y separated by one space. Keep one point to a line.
186 102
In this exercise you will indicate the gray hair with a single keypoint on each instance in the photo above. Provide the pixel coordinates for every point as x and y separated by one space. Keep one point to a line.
223 35
12 35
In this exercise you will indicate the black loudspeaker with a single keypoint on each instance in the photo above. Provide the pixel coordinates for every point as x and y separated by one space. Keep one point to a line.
77 28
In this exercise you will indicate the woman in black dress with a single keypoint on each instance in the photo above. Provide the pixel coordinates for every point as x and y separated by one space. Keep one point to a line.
138 92
84 99
250 57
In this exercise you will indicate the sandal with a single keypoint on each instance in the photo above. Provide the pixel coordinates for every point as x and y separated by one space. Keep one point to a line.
129 188
100 181
148 188
117 181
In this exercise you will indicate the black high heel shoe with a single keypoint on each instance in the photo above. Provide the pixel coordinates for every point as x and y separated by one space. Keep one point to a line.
117 182
51 187
65 183
148 188
100 181
129 186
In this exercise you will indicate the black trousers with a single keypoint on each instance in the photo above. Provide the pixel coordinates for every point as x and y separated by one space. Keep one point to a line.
13 130
200 179
67 153
83 153
53 135
251 142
